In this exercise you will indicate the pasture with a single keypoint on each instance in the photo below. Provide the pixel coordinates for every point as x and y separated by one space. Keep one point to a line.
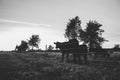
48 66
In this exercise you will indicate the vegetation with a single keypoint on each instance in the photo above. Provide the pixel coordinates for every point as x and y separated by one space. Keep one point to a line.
92 35
116 47
50 48
34 41
47 65
34 66
73 28
22 47
25 45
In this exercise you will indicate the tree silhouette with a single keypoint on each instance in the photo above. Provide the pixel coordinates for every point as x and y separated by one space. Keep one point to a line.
34 41
22 47
92 35
50 48
116 47
73 28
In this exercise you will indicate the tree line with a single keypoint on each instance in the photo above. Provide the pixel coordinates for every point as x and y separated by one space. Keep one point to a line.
91 35
30 44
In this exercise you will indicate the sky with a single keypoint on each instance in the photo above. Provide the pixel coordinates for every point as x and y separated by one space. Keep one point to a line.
19 19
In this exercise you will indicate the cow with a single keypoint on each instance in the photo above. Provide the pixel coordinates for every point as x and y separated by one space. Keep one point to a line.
63 48
79 51
99 52
73 47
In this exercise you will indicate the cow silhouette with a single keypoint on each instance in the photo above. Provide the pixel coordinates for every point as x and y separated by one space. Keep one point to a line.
99 52
73 47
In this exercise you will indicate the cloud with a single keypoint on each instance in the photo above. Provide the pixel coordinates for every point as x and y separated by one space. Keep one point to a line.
23 23
9 25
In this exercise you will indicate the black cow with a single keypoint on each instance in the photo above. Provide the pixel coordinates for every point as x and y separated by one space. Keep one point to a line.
72 46
79 51
64 49
99 52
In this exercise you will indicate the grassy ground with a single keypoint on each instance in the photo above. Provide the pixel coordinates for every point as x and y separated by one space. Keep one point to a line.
48 66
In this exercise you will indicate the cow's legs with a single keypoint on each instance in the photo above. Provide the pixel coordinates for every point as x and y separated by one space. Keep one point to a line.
67 57
74 57
63 57
107 54
85 58
79 58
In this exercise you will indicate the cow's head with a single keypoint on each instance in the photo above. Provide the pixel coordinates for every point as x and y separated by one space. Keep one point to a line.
59 45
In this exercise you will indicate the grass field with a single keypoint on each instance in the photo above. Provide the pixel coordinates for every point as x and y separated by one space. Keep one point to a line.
48 66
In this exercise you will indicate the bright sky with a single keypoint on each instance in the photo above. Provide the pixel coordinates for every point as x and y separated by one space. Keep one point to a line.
19 19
